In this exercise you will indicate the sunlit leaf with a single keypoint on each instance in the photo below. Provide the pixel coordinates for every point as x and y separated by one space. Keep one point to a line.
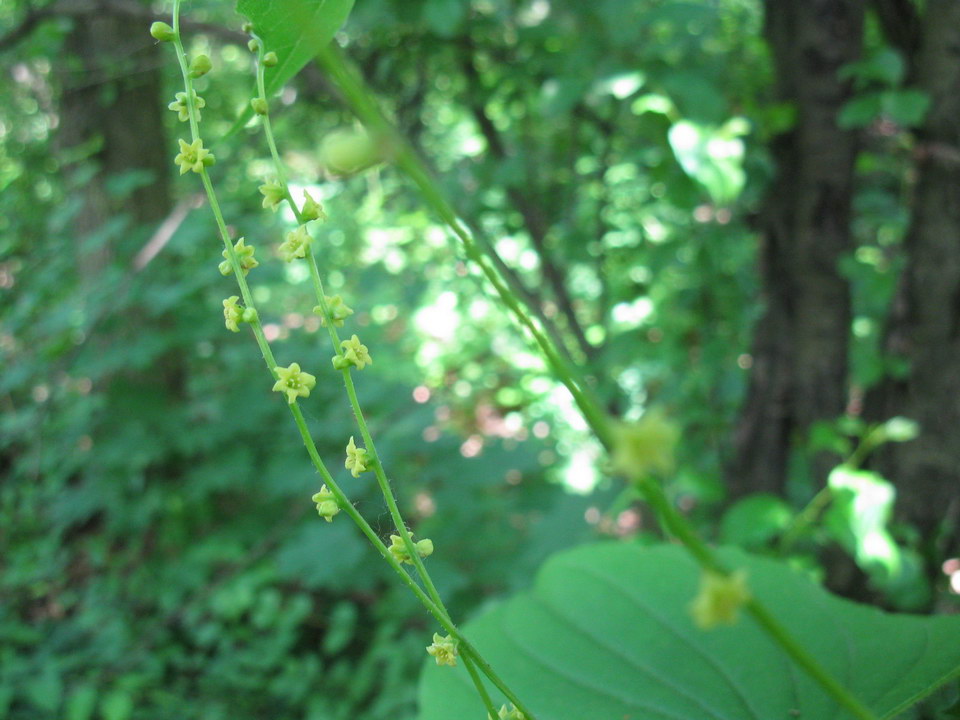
606 633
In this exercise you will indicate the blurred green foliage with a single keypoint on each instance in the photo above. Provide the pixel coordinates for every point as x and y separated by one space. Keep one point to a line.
159 556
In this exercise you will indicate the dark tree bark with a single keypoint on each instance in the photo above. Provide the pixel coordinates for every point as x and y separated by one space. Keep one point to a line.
800 344
924 325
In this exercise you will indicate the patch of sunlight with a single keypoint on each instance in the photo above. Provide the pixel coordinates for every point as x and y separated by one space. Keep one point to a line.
628 315
440 319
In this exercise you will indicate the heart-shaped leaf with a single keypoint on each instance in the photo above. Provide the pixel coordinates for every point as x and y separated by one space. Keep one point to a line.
606 633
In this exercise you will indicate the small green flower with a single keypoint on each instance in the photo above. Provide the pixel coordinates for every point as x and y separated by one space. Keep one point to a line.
270 59
244 256
337 308
293 382
193 156
644 446
511 714
355 353
181 107
273 194
253 45
398 548
295 245
200 66
720 599
312 210
162 32
259 106
327 505
444 650
358 460
232 314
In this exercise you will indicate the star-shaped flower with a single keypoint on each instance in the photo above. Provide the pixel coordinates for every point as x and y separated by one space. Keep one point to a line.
357 459
244 257
273 194
337 308
295 245
193 156
444 650
181 107
355 353
232 314
293 382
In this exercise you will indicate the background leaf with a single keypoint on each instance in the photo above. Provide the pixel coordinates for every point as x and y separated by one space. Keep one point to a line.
606 633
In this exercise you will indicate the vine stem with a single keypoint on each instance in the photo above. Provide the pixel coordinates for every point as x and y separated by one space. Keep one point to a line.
359 417
364 105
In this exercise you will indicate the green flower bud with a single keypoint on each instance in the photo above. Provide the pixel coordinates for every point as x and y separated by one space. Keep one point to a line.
398 548
253 45
270 59
247 27
357 459
249 315
327 506
200 66
232 314
312 210
162 32
259 106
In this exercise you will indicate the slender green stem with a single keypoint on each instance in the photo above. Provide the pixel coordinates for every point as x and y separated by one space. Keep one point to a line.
365 107
407 160
805 660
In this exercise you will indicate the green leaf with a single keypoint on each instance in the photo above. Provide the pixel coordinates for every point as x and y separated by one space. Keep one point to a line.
296 30
906 107
606 633
860 111
754 520
445 16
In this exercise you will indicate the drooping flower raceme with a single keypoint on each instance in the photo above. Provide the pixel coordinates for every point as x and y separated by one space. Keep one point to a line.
293 382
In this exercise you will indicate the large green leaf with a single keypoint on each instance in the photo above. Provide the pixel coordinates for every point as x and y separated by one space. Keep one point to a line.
295 30
605 633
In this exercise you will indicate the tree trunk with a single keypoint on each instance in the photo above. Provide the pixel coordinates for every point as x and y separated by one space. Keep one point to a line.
800 346
925 321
